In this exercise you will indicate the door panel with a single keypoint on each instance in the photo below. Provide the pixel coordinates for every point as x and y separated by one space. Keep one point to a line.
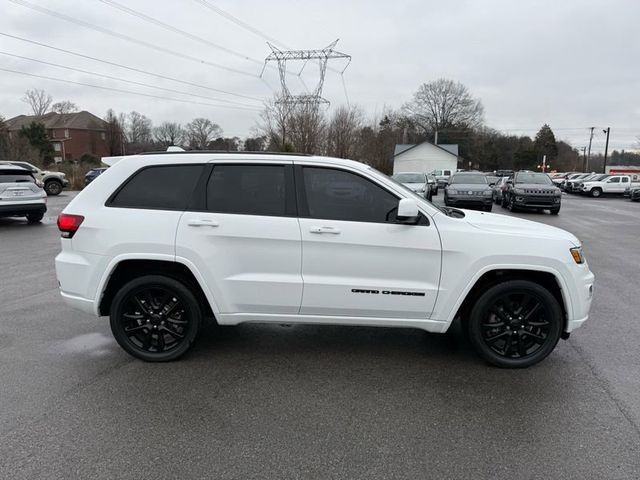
246 243
369 269
356 260
250 263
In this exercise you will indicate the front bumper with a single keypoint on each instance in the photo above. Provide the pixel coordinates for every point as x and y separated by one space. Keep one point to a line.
469 200
65 182
538 201
582 296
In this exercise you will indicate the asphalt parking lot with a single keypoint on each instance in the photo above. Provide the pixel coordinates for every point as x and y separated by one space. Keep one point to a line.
260 401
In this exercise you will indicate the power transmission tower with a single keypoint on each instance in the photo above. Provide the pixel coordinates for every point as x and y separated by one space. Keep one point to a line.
322 56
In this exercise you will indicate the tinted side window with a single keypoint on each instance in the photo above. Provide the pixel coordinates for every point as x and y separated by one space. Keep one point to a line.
247 189
340 195
615 180
625 180
166 187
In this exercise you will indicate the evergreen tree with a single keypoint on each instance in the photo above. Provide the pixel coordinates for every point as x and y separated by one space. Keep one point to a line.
36 134
545 144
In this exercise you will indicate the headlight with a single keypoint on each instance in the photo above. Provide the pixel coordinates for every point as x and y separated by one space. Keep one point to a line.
576 253
487 193
452 192
518 191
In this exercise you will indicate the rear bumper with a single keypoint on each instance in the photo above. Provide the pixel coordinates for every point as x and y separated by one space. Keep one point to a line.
78 275
17 210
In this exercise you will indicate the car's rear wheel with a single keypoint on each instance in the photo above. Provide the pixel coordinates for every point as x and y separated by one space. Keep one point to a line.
53 187
35 217
155 318
515 324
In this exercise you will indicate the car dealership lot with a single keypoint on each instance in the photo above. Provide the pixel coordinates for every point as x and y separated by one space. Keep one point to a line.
264 401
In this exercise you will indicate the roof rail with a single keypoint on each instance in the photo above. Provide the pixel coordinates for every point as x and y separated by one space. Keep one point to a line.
243 152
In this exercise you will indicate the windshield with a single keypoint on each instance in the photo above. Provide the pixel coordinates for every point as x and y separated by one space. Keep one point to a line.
468 179
534 178
11 176
409 177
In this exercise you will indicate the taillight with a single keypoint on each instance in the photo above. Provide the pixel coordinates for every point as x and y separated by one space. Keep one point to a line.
69 224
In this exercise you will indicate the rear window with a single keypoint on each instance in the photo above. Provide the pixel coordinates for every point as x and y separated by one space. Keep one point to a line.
247 190
165 187
11 176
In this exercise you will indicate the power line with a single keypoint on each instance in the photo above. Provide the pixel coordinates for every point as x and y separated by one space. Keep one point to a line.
240 23
133 69
122 36
119 90
173 29
119 79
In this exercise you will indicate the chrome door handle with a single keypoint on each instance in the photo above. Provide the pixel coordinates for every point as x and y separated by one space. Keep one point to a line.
332 230
203 223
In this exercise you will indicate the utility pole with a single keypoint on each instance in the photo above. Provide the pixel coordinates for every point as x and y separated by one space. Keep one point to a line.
436 138
584 159
606 147
589 152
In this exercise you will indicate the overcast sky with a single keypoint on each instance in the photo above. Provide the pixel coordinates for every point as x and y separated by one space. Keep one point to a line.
571 64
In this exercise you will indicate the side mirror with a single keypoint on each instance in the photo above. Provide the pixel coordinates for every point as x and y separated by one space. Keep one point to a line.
407 211
492 184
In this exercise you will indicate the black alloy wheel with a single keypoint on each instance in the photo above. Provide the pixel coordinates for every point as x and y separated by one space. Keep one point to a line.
53 187
511 204
155 318
515 324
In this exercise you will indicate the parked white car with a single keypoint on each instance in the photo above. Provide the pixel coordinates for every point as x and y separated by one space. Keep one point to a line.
159 241
616 185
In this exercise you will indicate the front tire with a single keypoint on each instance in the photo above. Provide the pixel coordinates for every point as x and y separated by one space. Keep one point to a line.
53 188
596 192
515 324
511 204
155 318
555 211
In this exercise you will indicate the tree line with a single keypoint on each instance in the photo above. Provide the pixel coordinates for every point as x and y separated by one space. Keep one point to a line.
442 111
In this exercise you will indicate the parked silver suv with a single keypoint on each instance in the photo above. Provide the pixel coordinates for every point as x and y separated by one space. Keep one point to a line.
21 195
53 182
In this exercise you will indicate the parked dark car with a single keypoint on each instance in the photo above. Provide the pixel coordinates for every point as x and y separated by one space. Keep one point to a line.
468 189
634 194
531 190
92 175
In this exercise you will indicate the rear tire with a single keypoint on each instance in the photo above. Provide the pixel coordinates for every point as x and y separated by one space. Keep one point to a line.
35 217
515 324
155 318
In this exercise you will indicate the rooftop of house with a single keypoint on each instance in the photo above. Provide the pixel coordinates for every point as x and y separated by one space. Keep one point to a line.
79 120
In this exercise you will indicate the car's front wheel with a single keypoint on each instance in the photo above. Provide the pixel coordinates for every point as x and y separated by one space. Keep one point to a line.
596 192
515 324
53 187
155 318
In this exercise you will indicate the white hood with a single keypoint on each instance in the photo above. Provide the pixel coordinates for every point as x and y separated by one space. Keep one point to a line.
495 222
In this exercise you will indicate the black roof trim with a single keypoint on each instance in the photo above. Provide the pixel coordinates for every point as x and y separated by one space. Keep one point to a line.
243 152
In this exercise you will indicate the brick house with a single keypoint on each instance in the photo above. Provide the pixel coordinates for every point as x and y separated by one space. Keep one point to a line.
71 134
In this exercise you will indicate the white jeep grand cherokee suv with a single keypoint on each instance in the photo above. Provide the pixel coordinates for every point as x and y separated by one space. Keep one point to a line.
160 241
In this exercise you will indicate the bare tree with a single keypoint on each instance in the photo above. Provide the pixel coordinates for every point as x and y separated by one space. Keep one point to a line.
169 133
273 125
38 100
202 131
342 132
115 133
443 104
138 128
65 106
